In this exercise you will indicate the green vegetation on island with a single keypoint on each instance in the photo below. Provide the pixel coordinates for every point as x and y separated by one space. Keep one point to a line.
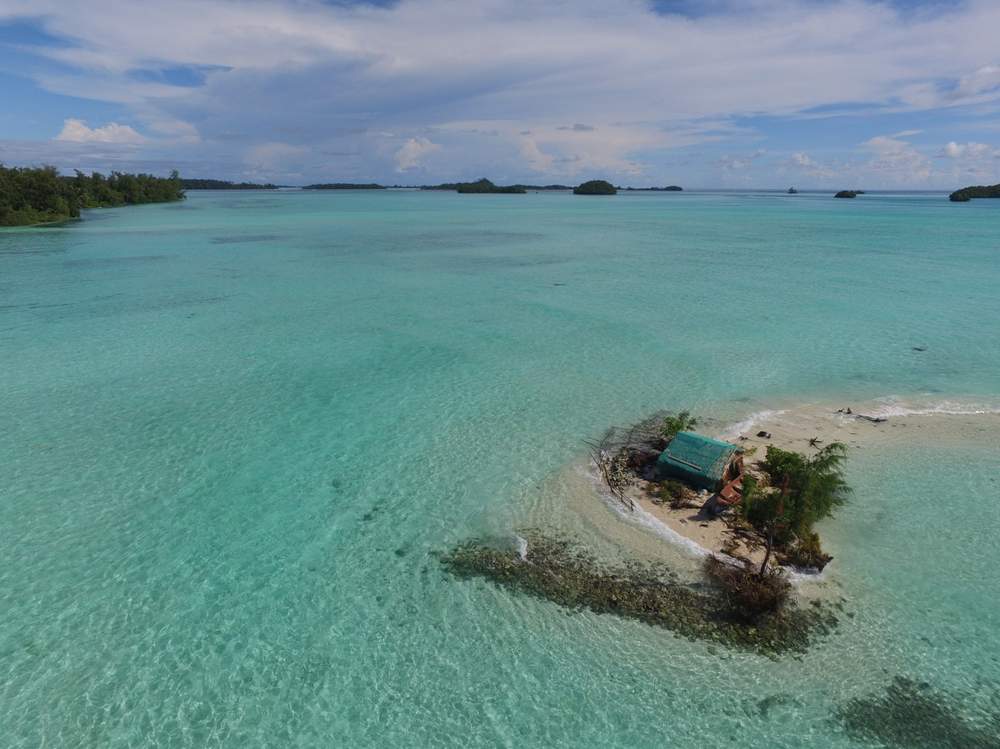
344 186
978 191
772 505
847 194
221 184
768 510
595 187
38 195
485 186
668 188
544 188
789 495
479 186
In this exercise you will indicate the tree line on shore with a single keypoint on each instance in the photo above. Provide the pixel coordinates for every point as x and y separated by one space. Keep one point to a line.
976 191
223 184
35 195
38 195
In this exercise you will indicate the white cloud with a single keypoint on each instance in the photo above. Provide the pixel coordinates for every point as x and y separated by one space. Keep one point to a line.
599 86
76 131
807 165
894 159
984 80
739 163
412 152
562 151
272 156
788 56
174 129
955 150
533 156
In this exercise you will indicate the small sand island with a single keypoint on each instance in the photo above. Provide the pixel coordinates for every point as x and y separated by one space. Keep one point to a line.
751 506
848 194
754 504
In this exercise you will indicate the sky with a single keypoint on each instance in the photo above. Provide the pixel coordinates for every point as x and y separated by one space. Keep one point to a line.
705 94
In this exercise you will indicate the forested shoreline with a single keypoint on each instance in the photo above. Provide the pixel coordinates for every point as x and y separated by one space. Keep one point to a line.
224 184
38 195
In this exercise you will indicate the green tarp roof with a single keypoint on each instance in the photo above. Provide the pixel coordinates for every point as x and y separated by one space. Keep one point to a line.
697 458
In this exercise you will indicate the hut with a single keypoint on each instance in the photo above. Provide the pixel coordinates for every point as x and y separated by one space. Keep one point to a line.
700 461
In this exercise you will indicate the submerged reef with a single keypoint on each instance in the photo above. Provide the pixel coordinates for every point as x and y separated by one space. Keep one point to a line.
560 571
912 715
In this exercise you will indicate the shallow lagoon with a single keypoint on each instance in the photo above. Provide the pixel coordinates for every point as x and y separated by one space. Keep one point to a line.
238 429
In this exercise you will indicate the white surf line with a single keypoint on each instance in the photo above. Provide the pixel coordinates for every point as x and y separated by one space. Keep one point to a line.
522 547
647 521
895 406
641 517
746 425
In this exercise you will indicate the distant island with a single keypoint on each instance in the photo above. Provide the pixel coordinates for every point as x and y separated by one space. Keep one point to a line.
978 191
543 188
847 194
595 187
668 188
591 187
221 184
485 186
40 195
345 186
478 187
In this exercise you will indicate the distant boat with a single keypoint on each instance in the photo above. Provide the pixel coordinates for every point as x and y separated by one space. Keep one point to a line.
792 191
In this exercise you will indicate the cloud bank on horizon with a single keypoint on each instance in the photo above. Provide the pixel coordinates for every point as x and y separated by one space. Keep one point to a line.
739 94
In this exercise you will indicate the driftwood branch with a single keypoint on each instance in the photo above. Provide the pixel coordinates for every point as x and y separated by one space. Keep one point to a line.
619 452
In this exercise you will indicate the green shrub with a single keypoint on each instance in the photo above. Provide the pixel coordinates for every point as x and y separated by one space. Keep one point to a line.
36 195
807 552
595 187
808 489
673 493
674 423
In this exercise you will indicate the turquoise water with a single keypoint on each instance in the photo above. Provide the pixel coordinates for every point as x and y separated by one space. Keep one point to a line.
237 429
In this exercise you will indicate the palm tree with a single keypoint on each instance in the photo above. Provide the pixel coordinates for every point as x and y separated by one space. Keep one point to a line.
813 487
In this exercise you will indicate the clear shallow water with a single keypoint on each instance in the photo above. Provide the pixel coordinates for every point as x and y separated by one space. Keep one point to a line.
237 429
